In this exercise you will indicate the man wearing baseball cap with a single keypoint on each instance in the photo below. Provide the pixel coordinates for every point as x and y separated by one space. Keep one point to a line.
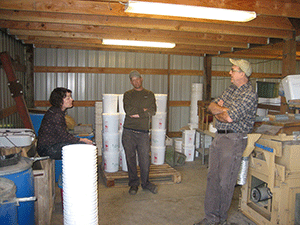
139 105
235 113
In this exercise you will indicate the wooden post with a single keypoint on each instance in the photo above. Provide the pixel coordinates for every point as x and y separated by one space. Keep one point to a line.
207 78
168 97
29 77
288 66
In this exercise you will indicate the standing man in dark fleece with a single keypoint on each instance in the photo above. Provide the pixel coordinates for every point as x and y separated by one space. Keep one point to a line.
139 106
235 112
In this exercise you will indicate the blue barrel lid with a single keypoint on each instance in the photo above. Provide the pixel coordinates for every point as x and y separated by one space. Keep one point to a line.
24 164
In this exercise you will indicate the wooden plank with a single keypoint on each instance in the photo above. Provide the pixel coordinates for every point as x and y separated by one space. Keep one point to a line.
174 134
183 37
207 78
44 188
44 103
156 171
261 7
76 103
179 103
61 69
56 69
7 112
270 107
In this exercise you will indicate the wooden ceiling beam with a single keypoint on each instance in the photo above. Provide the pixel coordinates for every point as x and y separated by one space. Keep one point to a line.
97 41
282 8
124 49
271 28
83 24
221 30
134 34
262 7
261 21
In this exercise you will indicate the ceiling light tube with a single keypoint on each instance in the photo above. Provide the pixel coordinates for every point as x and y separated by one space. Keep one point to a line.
199 12
138 43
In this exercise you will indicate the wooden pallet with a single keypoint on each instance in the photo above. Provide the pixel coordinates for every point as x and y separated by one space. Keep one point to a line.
162 172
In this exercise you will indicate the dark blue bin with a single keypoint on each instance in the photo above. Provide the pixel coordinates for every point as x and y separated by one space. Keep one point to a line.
36 121
58 169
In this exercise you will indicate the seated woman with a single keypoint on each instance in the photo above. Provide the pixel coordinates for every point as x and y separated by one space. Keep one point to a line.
53 134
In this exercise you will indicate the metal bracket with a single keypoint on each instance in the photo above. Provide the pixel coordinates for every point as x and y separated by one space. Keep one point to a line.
15 88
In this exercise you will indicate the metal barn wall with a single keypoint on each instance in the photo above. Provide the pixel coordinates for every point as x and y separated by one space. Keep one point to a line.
92 86
17 52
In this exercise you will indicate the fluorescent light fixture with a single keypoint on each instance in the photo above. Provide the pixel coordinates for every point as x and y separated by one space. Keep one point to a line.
199 12
138 43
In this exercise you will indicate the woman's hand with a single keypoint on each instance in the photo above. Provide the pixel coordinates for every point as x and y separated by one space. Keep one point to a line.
86 140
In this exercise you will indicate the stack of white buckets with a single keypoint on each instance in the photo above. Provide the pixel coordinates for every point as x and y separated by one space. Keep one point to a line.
79 172
112 127
196 95
186 144
110 133
122 114
158 131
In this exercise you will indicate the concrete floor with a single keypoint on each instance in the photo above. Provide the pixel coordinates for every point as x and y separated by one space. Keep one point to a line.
173 204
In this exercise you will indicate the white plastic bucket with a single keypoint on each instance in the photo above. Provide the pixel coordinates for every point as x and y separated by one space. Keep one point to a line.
120 140
179 150
197 87
178 143
111 141
121 120
161 102
159 121
158 155
110 103
123 162
111 161
189 152
121 107
188 137
110 122
158 138
193 125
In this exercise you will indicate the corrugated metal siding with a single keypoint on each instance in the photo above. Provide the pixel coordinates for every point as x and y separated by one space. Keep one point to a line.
180 89
92 86
17 51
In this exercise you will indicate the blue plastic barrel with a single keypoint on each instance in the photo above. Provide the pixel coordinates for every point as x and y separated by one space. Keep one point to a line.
58 169
36 121
8 204
22 175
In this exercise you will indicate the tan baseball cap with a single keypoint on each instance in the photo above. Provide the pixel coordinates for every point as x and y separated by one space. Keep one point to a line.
134 73
243 64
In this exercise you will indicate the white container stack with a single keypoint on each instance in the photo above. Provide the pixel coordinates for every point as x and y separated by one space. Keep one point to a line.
196 95
158 131
122 114
110 133
188 144
80 173
178 145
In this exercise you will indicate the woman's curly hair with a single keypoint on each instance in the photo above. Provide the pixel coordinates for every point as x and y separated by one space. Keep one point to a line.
57 96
